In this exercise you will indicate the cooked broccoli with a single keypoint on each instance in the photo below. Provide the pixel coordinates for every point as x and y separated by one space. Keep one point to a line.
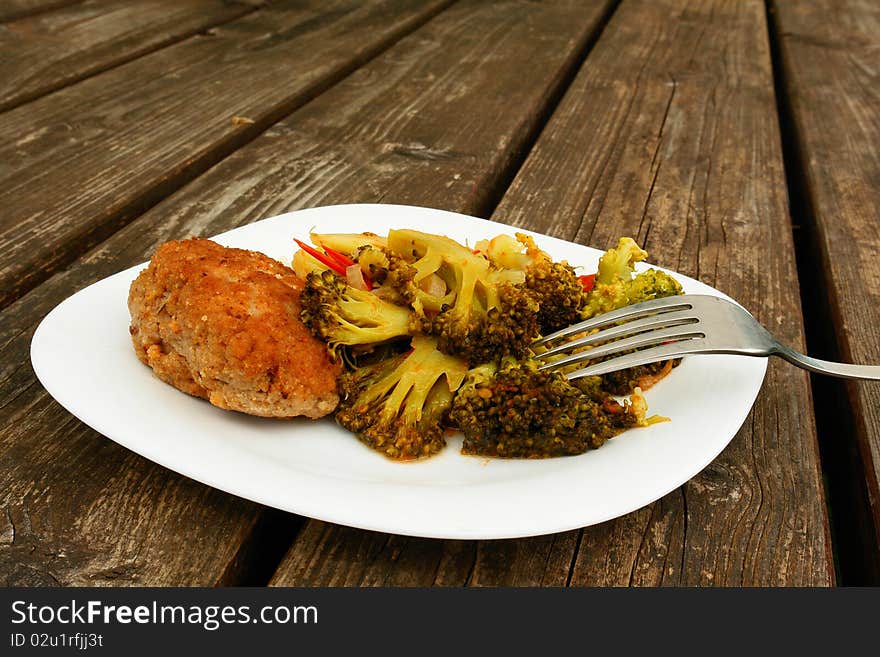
483 335
615 285
374 262
342 315
559 293
392 274
652 284
518 411
475 310
398 406
647 285
553 285
618 264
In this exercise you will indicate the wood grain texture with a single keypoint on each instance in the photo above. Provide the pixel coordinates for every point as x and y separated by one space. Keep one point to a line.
682 151
353 143
69 519
51 50
13 9
670 135
331 555
829 53
85 160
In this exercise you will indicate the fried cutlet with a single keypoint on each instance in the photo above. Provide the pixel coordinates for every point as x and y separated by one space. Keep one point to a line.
223 324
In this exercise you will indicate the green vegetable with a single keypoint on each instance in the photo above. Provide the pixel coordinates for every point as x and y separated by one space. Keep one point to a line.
483 313
471 317
398 406
553 285
615 283
342 315
618 264
518 411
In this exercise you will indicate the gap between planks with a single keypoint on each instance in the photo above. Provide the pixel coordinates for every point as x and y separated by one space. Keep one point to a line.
252 565
566 77
256 557
851 521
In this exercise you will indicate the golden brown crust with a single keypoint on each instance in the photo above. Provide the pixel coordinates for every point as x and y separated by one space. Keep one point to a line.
223 324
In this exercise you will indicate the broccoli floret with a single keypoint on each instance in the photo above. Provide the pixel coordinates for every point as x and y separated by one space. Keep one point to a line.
553 285
649 284
652 284
342 315
486 335
374 262
478 312
393 274
519 411
617 264
559 293
398 406
616 286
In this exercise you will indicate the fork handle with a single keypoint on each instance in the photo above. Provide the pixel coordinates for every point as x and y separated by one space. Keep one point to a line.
843 370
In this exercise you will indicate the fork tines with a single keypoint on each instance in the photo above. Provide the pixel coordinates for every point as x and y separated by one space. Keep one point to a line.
658 330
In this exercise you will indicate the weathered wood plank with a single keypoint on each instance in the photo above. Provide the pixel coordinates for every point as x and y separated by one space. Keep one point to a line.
330 555
120 537
681 151
12 9
88 158
829 56
48 51
670 135
76 509
494 63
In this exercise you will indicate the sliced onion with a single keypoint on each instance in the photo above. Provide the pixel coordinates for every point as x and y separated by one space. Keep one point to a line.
355 277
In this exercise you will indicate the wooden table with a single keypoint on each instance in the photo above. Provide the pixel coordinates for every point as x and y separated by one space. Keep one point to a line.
738 142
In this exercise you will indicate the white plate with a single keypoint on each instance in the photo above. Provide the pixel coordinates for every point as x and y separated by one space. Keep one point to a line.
82 354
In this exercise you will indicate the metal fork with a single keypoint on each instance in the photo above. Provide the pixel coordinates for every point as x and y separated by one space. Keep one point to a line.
673 327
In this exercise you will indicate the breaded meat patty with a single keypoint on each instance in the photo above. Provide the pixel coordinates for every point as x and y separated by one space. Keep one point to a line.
223 324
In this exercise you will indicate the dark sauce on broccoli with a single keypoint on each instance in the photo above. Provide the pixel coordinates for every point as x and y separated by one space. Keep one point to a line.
521 412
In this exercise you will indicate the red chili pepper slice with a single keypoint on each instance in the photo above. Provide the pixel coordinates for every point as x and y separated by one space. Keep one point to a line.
341 258
588 281
321 257
337 261
347 262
